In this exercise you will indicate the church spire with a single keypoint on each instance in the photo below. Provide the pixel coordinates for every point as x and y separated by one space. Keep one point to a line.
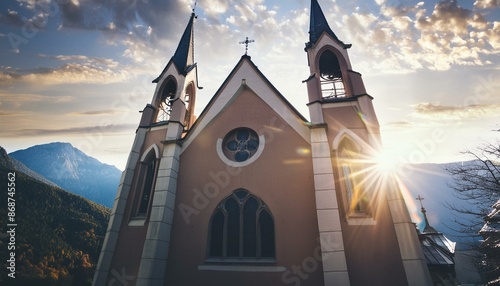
184 55
318 25
428 228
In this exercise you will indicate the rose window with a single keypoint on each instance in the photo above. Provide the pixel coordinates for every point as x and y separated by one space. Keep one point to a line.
240 144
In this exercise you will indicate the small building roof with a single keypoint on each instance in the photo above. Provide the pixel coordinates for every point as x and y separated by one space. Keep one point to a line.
438 249
434 254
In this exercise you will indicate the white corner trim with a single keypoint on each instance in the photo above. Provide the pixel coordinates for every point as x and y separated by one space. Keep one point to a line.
260 149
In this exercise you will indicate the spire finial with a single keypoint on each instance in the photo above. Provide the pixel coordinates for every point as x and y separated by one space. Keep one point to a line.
246 42
419 198
194 6
427 227
193 13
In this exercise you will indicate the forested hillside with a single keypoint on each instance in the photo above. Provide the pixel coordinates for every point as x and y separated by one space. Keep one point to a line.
58 235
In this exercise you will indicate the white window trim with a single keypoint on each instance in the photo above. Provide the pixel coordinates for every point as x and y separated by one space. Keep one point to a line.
146 153
260 149
364 220
137 221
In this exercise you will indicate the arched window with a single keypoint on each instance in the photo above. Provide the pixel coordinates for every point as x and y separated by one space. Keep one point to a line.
145 183
148 188
241 227
332 85
165 104
189 99
351 168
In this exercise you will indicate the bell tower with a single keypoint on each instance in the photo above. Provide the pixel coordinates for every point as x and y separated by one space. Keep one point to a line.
137 240
175 94
331 75
345 138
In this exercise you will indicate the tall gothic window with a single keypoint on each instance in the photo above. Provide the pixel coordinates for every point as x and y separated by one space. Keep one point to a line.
332 85
148 188
241 227
351 168
145 183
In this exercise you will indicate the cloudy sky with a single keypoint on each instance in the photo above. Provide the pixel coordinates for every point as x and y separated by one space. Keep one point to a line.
79 71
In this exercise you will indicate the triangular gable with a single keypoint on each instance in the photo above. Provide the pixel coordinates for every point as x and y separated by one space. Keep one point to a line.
246 70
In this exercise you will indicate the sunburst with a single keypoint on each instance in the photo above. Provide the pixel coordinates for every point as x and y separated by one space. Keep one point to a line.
381 171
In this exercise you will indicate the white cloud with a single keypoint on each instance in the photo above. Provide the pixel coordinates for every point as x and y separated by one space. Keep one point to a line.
91 61
32 4
410 35
493 37
246 12
109 129
438 111
487 4
70 73
213 8
405 38
10 100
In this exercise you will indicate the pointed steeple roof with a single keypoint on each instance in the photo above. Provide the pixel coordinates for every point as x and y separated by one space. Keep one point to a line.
184 55
427 228
318 25
437 248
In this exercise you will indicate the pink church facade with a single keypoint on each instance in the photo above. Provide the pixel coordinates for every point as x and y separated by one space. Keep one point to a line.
250 192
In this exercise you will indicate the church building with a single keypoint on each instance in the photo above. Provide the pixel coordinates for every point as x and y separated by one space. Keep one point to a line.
250 192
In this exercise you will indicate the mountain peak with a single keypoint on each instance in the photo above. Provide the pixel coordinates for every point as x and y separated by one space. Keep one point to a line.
5 159
72 170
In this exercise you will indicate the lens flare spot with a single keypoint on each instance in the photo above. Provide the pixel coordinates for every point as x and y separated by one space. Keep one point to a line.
303 151
386 162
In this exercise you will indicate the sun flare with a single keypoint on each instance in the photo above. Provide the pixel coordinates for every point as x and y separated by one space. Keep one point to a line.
386 162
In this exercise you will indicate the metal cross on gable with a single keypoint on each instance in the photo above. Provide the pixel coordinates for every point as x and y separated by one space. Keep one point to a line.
246 42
